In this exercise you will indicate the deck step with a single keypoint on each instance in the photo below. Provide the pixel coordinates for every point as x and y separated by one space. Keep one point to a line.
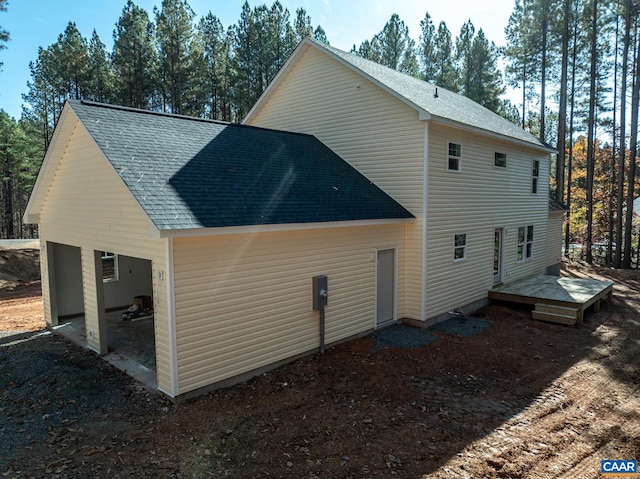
555 314
552 308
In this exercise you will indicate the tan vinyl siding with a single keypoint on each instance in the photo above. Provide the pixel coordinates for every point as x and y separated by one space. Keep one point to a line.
474 201
372 130
89 207
554 238
244 301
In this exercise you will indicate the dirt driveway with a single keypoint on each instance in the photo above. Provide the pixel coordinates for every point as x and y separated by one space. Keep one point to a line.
521 399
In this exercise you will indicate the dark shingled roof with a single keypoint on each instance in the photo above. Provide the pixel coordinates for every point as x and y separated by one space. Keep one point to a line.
190 173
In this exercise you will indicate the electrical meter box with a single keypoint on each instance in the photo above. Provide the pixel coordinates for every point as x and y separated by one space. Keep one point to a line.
320 292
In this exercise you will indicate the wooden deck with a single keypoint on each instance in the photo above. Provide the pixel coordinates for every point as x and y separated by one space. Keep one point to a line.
556 299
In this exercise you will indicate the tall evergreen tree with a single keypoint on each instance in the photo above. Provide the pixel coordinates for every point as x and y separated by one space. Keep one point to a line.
320 35
427 50
100 82
485 86
134 58
626 8
216 51
593 33
446 72
302 25
263 40
397 49
633 151
71 63
521 67
463 55
174 31
392 47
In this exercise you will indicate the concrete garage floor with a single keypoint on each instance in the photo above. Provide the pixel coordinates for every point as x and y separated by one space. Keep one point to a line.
131 344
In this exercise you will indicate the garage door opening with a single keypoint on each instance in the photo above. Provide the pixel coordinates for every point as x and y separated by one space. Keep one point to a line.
127 292
129 315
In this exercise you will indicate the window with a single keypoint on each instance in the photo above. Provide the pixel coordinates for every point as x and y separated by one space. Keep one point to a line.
525 242
459 247
455 152
500 160
109 267
535 175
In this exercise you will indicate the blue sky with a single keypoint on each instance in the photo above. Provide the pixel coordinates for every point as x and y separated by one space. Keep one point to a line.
37 23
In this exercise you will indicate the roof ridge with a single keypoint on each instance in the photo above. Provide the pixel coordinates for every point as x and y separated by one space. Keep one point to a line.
178 116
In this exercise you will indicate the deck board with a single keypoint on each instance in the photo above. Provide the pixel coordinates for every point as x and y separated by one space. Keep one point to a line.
569 292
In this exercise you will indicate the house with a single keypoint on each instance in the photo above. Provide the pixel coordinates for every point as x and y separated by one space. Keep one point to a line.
224 226
411 201
476 183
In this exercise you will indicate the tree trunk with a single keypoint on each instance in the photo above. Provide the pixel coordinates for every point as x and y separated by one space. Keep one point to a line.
617 259
590 130
543 69
612 189
633 147
574 56
562 114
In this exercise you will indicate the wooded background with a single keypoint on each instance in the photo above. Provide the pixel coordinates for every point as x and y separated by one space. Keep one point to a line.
576 62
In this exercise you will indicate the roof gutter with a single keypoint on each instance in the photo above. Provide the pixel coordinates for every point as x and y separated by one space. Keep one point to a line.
254 229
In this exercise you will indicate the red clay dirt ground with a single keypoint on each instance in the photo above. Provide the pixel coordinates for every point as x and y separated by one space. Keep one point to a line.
521 399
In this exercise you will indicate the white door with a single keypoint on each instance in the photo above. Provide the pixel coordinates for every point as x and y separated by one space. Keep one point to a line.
385 286
497 255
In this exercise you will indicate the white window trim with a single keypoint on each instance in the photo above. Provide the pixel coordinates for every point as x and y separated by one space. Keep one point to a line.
494 160
105 255
463 247
459 158
535 178
526 241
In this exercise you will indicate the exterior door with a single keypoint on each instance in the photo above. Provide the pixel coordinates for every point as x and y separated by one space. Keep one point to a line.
385 294
497 255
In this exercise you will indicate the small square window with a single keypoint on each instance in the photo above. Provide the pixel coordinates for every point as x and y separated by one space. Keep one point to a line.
500 159
459 247
455 152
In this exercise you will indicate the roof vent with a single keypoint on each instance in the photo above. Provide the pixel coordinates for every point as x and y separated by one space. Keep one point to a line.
435 95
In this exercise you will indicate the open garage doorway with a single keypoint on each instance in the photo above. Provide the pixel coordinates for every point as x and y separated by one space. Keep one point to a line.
126 282
65 282
129 315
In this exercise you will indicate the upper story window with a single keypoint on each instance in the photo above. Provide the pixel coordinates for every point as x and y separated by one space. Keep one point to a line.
500 159
535 175
455 152
459 246
525 242
109 267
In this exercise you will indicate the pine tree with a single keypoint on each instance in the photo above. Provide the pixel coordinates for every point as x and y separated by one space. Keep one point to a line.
446 72
174 31
216 50
134 59
302 25
320 35
427 50
633 151
463 56
485 85
392 47
71 63
518 53
100 81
